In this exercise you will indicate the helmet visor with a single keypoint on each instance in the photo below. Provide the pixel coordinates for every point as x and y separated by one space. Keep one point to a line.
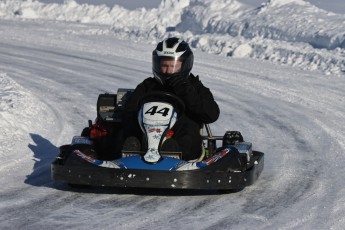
167 65
170 66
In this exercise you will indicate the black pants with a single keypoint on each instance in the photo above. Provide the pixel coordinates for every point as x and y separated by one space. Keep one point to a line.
187 135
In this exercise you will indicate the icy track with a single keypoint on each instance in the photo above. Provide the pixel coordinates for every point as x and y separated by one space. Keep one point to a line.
51 73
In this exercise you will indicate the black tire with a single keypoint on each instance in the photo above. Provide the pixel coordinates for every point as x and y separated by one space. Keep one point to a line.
79 186
86 132
229 191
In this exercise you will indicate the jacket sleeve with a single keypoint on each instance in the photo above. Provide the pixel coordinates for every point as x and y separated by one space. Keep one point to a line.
133 101
200 104
130 114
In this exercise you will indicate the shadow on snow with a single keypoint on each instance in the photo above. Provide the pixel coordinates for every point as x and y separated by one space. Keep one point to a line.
44 152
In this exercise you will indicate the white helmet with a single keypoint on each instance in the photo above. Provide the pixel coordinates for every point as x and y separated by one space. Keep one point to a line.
173 49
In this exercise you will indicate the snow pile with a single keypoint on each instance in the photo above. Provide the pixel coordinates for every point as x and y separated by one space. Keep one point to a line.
17 110
292 32
13 101
69 11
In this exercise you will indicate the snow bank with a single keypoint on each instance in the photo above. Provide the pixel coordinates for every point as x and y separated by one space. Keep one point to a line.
292 20
18 107
292 32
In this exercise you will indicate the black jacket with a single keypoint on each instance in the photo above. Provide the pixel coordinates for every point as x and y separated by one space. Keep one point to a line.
200 105
200 108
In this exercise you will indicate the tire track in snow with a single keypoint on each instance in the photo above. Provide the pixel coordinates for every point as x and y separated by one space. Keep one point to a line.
295 144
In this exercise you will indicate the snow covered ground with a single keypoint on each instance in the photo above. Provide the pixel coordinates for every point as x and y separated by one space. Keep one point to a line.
277 72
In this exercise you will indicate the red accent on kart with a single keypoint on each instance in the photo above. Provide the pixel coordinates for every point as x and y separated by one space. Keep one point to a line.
216 157
155 130
98 130
170 133
83 156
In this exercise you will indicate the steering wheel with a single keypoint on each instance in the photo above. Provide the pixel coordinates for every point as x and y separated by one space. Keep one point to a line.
163 96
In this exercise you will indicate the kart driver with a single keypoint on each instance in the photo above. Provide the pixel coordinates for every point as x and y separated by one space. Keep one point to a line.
172 62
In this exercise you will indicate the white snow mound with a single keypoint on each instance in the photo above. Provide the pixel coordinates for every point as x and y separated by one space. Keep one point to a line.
292 32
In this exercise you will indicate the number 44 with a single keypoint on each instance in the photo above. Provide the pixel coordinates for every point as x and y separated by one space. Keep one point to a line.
153 111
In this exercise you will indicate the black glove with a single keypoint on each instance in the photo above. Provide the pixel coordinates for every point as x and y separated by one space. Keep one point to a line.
180 85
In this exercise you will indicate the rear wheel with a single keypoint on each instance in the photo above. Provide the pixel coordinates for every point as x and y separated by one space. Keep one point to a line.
86 132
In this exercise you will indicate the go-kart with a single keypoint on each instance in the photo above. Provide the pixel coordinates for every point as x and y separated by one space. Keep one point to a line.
97 156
